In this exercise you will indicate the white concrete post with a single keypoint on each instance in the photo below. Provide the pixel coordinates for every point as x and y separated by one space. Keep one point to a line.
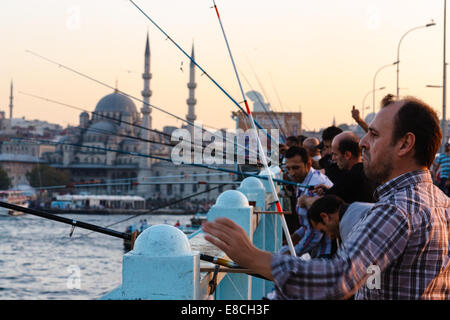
161 266
234 205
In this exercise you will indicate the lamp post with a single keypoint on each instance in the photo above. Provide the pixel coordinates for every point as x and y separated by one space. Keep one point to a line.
364 100
398 50
374 78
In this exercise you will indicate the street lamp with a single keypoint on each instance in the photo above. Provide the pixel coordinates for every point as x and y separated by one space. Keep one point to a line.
364 100
374 78
398 49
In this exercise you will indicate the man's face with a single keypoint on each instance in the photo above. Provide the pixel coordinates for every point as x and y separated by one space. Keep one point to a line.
377 149
338 157
326 147
329 226
297 169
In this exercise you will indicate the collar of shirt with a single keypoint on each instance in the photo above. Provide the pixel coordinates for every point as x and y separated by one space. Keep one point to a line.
403 180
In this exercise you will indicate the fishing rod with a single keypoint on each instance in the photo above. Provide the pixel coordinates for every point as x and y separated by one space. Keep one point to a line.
174 144
227 263
170 160
154 209
263 157
131 183
198 66
73 222
95 228
120 121
128 123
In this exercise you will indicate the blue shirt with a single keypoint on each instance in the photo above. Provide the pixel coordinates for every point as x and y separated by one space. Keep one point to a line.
444 165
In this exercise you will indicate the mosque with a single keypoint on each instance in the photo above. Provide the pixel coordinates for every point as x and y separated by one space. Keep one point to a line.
117 124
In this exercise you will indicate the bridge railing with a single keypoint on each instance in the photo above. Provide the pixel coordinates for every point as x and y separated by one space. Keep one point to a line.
165 264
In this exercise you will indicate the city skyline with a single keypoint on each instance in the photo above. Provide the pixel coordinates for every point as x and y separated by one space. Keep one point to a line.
317 58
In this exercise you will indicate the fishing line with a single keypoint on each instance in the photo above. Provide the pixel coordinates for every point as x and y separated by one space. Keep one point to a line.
263 157
198 66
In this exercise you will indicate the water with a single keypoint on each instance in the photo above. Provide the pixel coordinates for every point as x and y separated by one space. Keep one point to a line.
38 260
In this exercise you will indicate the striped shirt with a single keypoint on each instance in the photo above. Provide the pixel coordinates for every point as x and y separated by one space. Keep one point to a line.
405 236
311 241
444 165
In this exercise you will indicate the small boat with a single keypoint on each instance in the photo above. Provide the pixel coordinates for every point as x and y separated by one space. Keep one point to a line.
16 197
197 220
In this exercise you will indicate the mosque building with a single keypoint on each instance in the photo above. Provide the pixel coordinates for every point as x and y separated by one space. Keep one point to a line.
117 124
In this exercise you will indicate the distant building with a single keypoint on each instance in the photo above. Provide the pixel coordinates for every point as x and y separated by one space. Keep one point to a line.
117 125
289 123
18 158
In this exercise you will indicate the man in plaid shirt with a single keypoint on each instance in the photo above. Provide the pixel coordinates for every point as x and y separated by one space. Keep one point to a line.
403 243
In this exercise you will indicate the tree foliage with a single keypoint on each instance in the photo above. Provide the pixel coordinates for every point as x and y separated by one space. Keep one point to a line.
5 181
44 176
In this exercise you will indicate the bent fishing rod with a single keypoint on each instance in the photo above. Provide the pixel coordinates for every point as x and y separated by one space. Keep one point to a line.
95 228
263 177
263 156
120 121
203 70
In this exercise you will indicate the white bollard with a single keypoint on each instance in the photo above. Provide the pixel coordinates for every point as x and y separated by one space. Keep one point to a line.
234 205
161 266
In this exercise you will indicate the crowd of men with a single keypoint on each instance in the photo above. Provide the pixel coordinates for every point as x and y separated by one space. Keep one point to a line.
380 202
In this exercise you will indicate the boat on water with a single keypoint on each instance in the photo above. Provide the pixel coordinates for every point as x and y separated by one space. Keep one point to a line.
16 197
97 204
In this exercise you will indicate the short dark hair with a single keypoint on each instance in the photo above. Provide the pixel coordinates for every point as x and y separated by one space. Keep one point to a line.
292 139
297 151
351 145
420 119
328 204
330 132
301 138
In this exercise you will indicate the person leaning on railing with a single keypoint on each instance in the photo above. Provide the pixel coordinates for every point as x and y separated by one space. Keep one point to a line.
405 235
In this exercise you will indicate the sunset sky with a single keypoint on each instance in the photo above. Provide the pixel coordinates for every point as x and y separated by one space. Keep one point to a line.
317 57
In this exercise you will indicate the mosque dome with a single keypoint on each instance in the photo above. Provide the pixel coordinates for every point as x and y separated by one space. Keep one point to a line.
102 127
116 102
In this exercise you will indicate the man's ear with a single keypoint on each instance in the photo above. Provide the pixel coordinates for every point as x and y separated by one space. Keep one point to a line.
406 144
347 155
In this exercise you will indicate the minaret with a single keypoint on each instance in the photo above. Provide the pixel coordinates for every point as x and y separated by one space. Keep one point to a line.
144 162
11 105
147 93
191 101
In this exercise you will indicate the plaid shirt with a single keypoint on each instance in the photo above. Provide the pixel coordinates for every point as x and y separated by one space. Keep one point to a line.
405 236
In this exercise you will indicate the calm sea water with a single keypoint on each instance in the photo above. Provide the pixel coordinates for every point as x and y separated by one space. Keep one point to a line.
38 259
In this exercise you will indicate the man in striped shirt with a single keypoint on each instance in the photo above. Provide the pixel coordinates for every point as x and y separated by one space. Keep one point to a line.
399 250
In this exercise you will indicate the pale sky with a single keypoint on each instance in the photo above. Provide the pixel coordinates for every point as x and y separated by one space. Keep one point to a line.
318 57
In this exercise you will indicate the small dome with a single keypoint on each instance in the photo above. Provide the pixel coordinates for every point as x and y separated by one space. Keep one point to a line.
162 240
232 199
84 114
251 183
116 102
102 127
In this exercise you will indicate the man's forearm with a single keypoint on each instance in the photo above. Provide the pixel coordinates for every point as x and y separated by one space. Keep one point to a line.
261 263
